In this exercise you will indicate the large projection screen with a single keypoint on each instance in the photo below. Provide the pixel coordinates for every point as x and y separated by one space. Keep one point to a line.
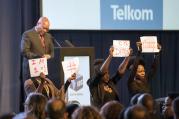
111 14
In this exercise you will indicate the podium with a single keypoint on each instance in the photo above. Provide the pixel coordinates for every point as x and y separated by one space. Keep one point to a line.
78 90
55 69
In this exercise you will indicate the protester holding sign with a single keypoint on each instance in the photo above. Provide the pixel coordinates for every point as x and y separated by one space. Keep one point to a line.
138 79
102 88
45 86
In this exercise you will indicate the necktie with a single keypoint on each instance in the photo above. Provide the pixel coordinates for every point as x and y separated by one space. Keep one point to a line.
42 40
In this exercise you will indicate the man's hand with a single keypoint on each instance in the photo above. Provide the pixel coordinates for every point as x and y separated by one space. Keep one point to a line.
47 56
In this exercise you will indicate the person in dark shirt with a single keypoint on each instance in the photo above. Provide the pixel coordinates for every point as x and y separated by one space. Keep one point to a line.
167 111
102 87
138 79
175 106
147 101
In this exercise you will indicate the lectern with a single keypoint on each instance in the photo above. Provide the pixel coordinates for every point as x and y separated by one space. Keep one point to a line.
78 90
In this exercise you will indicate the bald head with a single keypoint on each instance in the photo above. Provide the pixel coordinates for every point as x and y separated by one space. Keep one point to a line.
55 108
42 19
43 25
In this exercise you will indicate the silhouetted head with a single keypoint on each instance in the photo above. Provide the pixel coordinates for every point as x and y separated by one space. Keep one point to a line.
86 112
35 104
111 110
135 112
175 106
55 109
147 101
7 116
134 99
70 108
167 110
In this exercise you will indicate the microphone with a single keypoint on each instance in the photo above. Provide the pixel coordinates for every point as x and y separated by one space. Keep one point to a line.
69 43
55 41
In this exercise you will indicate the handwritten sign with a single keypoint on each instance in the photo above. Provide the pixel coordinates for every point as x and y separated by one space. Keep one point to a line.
37 66
121 48
149 44
70 66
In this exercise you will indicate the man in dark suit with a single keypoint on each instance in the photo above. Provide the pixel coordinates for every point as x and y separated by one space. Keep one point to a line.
36 43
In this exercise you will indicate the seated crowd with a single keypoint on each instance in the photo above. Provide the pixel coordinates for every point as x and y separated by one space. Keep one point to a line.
37 106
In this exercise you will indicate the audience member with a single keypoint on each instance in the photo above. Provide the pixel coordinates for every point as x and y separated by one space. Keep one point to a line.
35 105
111 110
134 99
167 110
7 116
175 106
55 109
70 108
146 100
86 112
135 112
46 87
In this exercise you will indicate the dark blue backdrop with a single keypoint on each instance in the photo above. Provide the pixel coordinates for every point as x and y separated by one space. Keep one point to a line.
20 15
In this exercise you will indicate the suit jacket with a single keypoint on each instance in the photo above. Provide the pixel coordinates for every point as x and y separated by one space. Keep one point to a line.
31 48
30 86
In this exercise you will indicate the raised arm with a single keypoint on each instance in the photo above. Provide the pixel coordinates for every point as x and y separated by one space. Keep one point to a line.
154 66
68 82
123 66
104 68
29 86
60 94
43 80
135 63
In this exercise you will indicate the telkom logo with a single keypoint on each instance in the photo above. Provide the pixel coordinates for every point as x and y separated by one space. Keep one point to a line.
128 13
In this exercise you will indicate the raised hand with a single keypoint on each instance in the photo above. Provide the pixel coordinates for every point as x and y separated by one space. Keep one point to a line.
159 47
111 50
130 51
139 46
47 56
73 76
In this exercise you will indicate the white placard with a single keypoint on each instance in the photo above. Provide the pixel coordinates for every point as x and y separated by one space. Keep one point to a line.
78 90
38 66
149 44
121 48
70 66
